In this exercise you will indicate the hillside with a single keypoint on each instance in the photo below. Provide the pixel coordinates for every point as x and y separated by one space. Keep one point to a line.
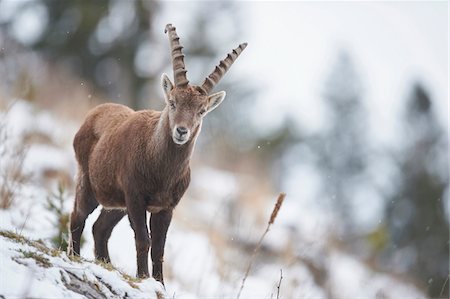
209 243
30 269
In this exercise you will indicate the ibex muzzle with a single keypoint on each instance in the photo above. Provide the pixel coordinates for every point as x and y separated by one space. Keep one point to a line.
134 162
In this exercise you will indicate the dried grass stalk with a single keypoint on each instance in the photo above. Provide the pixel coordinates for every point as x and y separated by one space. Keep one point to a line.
274 214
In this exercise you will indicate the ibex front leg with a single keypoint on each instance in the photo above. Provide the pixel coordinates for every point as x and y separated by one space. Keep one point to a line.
159 224
138 220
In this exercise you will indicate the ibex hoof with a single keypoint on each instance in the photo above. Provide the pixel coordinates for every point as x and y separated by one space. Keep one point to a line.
143 275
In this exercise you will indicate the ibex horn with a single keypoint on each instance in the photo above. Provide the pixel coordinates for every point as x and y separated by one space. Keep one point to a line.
221 69
179 71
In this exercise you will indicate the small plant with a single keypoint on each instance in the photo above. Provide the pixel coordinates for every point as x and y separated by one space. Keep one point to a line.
279 284
13 236
75 258
39 258
131 280
273 216
107 266
12 176
55 204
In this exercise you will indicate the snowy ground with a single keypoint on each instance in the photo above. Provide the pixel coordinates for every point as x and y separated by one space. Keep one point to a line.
32 270
207 249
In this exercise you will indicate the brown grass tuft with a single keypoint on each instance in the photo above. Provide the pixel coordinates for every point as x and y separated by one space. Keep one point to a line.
277 207
39 258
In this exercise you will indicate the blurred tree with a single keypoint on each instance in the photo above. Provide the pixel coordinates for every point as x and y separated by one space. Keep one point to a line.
112 45
416 217
98 41
341 149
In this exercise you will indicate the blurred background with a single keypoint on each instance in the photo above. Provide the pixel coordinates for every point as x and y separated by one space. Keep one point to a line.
343 106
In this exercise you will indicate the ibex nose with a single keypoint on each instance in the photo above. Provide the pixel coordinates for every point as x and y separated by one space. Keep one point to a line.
182 130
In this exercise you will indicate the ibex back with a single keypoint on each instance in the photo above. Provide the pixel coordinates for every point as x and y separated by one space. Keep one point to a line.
131 162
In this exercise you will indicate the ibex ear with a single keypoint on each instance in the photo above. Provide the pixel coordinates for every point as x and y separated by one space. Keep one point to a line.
167 85
215 99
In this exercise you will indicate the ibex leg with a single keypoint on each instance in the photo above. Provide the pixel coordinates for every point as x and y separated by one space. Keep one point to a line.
85 203
102 230
138 220
159 224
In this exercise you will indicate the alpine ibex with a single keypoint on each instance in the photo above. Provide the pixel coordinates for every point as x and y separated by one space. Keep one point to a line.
131 162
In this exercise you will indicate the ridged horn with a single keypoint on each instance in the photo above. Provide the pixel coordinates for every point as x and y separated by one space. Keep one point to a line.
179 70
221 69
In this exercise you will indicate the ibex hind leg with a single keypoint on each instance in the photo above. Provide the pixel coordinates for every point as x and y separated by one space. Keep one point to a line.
102 230
85 203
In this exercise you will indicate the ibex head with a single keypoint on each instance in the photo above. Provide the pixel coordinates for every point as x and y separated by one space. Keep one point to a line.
187 104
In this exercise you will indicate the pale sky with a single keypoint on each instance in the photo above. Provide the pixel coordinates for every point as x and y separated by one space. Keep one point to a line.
392 44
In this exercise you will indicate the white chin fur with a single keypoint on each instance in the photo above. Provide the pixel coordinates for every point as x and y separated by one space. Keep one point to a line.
178 141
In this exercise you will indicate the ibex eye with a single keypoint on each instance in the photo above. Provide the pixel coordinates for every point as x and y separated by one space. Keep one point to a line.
202 112
172 105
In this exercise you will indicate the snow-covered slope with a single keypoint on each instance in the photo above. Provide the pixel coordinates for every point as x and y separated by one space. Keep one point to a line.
30 269
209 243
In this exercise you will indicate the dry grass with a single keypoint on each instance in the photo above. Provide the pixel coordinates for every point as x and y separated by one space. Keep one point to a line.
12 176
273 216
44 262
279 284
131 280
13 236
39 258
39 245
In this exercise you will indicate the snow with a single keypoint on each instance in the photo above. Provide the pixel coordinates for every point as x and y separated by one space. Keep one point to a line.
43 156
206 253
24 276
356 280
